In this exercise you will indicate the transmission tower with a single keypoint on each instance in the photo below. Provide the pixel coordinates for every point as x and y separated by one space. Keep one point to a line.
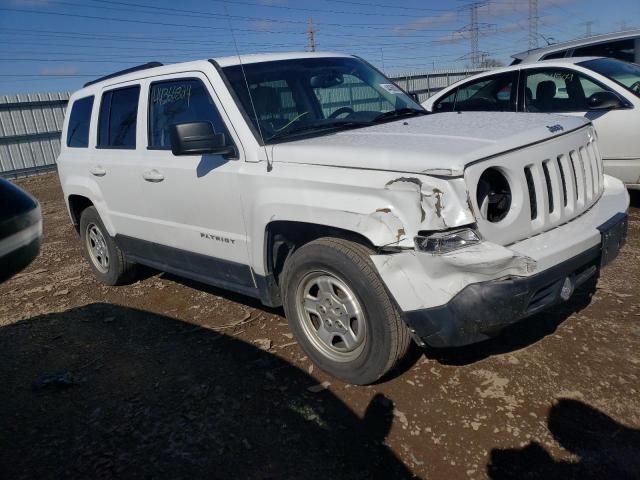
587 27
475 34
474 29
312 40
533 24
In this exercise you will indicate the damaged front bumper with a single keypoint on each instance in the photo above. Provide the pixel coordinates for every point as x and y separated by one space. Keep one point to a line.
482 310
469 295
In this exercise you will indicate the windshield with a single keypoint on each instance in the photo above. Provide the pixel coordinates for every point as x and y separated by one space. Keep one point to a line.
315 96
623 73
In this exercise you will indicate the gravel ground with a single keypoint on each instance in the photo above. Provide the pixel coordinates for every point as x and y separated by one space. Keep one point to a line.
167 378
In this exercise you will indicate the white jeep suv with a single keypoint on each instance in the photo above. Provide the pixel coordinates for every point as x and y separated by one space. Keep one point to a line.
312 181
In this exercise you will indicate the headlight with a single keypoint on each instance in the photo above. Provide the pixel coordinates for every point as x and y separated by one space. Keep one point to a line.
443 242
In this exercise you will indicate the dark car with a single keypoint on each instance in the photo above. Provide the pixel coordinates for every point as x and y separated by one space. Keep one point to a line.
20 229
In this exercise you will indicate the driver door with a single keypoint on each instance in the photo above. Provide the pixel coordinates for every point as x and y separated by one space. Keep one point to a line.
565 91
190 205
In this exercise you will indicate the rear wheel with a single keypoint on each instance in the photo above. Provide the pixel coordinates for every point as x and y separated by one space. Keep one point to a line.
340 311
107 261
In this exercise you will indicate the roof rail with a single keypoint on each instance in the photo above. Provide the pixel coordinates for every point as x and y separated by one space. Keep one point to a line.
144 66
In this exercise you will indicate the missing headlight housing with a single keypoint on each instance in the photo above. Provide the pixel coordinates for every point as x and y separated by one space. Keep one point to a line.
444 242
493 195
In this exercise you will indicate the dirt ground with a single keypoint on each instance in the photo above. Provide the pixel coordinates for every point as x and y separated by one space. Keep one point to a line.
167 378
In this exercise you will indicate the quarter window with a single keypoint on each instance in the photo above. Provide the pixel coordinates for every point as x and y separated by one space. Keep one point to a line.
179 101
118 118
79 121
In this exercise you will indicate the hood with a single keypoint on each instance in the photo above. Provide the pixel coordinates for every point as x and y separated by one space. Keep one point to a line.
438 144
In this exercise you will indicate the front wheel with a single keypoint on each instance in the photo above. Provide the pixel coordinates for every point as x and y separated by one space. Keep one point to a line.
340 312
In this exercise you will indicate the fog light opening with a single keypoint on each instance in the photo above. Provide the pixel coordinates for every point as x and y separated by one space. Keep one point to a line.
567 289
493 195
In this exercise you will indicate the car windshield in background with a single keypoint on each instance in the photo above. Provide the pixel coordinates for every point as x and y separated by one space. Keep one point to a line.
314 96
623 73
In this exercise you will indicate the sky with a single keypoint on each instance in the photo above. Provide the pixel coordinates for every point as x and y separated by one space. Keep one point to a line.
57 45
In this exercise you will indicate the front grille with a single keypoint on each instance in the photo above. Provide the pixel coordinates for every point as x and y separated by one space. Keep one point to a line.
552 182
555 196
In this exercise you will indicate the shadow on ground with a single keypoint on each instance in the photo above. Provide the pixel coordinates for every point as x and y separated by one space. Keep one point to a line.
604 449
106 391
519 335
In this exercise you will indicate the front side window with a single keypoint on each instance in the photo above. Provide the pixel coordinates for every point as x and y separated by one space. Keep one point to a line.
625 74
118 118
558 90
79 121
288 99
488 94
179 101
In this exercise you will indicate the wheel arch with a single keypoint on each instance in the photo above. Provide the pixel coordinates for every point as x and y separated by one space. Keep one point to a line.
77 204
81 193
283 237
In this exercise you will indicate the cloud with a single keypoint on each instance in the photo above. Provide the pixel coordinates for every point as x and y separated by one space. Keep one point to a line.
29 3
453 37
486 13
61 70
264 25
425 23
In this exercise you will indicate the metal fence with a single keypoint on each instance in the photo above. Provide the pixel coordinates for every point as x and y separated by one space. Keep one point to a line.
425 84
30 125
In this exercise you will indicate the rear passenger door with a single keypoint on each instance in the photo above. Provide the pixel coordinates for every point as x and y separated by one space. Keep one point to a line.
116 155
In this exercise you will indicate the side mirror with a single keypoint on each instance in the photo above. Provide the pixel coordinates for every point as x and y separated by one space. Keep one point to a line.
415 97
604 101
198 138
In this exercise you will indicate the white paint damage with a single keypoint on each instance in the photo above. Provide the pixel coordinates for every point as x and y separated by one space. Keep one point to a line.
419 280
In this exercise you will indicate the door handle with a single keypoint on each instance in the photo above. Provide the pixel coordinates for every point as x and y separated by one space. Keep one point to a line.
153 176
98 171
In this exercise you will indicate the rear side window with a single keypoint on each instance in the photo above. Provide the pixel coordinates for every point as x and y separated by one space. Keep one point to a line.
179 101
555 55
118 118
621 49
79 120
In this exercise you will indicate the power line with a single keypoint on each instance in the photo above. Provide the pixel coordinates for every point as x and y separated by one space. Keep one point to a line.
208 27
182 12
386 6
342 12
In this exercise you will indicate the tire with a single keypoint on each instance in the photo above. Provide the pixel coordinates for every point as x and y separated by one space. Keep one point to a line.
340 311
106 259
